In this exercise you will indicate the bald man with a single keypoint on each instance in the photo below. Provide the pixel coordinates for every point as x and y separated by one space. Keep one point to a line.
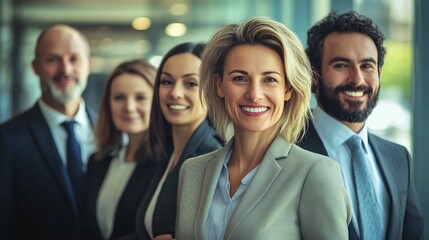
40 197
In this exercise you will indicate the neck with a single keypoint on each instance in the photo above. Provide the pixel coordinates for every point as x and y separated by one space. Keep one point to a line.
354 126
181 135
249 149
134 141
69 109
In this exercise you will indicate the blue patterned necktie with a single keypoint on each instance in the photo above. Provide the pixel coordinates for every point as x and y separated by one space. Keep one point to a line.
369 219
74 160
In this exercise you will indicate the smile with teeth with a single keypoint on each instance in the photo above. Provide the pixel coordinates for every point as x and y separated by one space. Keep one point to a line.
255 109
177 107
354 93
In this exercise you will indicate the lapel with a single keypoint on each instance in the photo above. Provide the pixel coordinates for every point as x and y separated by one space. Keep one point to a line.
45 142
210 178
92 115
267 173
382 157
195 141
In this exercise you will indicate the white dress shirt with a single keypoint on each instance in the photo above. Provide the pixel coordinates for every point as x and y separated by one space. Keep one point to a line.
83 131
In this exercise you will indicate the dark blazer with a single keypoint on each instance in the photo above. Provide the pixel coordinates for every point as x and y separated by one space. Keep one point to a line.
35 193
394 162
203 140
124 223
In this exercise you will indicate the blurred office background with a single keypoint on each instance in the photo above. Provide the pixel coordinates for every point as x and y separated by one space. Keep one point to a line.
120 30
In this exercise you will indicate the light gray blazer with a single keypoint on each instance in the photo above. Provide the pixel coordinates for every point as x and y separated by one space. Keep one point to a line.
295 194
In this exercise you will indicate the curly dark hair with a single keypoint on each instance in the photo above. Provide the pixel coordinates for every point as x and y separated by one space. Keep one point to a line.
348 22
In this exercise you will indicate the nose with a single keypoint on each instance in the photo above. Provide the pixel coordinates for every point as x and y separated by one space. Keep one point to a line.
356 76
254 92
176 91
130 105
65 67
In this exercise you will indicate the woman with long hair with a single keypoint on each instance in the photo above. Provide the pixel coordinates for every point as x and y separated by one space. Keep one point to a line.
179 130
120 171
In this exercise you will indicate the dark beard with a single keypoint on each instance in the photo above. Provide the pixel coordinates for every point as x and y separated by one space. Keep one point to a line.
332 105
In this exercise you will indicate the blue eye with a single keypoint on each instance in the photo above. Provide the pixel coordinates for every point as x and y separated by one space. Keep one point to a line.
270 80
239 79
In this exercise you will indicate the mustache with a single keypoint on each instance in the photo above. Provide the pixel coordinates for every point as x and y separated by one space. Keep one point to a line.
61 75
350 87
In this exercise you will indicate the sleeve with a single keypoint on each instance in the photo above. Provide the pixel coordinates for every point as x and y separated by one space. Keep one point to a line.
413 219
324 208
7 202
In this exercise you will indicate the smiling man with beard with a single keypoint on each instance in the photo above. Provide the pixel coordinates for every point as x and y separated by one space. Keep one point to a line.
43 151
347 54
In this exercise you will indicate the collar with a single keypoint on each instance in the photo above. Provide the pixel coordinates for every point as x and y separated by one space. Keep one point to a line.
327 125
55 118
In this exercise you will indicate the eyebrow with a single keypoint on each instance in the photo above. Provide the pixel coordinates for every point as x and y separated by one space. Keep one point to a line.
343 59
185 75
246 73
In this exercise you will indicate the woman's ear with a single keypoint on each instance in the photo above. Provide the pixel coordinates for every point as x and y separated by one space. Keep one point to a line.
288 93
220 92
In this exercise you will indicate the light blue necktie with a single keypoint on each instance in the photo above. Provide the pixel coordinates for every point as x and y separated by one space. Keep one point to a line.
369 218
74 160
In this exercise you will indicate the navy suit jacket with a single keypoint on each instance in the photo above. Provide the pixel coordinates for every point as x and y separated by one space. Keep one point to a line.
124 222
394 161
36 199
203 140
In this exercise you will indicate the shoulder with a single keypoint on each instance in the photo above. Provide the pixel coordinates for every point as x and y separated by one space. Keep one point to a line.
382 143
297 156
206 138
92 114
396 156
198 163
24 118
209 144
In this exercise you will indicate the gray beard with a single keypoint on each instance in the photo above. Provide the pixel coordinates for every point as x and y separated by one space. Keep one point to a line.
59 96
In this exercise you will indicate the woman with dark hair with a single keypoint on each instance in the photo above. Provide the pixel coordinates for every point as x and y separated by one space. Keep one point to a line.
179 130
120 171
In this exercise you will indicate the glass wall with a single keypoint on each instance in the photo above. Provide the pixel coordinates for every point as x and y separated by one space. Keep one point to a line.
147 29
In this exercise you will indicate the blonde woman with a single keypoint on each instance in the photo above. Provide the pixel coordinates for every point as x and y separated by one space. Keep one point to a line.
260 185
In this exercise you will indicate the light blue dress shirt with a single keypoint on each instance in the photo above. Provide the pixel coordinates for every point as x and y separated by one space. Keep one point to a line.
223 206
334 134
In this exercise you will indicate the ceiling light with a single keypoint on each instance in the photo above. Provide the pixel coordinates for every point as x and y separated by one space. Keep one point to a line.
175 29
141 23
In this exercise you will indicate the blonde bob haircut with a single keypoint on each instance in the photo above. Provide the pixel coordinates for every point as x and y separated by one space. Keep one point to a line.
274 35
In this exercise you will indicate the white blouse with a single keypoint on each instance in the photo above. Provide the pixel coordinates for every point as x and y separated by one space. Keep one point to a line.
111 190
